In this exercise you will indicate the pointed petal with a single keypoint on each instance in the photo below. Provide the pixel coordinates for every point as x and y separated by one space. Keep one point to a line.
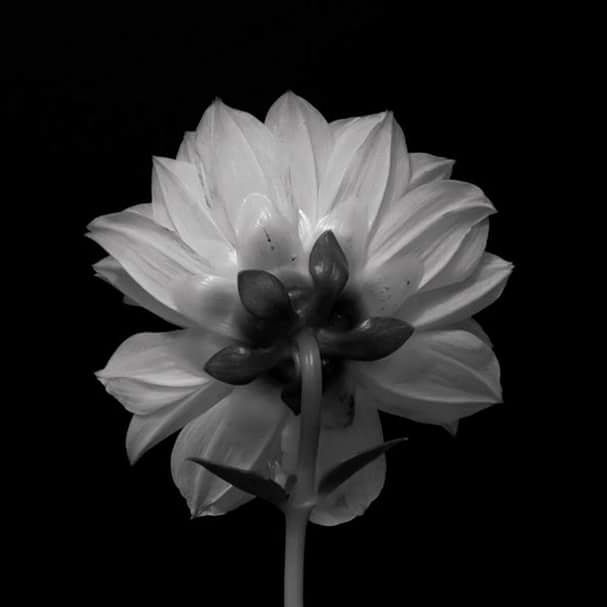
180 192
187 149
146 431
457 302
153 256
433 222
241 431
266 239
438 377
358 166
354 496
111 271
238 153
153 370
426 168
305 139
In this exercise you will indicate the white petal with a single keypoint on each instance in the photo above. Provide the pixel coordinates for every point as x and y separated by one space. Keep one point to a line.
153 370
183 197
238 154
210 302
426 168
242 431
146 431
357 166
306 141
432 222
109 269
339 444
187 149
153 256
437 377
448 305
266 239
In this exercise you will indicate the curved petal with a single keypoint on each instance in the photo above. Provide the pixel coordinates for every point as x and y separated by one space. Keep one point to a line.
336 445
359 164
150 371
146 431
153 256
266 239
238 154
241 431
178 189
437 377
433 222
426 168
187 149
110 270
448 305
306 141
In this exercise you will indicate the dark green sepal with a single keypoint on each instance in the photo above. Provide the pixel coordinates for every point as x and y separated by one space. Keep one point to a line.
342 472
246 480
372 339
328 265
263 295
238 365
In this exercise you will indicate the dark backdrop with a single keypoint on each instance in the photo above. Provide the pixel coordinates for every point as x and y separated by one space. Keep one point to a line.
456 515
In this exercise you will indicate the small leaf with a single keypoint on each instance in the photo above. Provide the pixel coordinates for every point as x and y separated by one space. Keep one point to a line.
245 480
372 339
239 365
342 472
263 295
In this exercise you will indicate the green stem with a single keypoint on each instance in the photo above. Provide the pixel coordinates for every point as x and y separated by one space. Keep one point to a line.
304 492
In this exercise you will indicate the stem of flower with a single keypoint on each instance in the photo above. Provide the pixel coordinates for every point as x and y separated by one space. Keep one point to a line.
304 492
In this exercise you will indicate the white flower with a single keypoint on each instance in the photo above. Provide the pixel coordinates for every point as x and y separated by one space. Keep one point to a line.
244 195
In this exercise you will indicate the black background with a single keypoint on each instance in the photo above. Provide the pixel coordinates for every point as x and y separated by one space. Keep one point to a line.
456 516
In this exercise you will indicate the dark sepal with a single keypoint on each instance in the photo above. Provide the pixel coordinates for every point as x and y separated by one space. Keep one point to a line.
372 339
263 295
342 472
328 265
245 480
239 365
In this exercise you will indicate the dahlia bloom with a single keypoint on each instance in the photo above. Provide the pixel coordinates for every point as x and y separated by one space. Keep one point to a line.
246 202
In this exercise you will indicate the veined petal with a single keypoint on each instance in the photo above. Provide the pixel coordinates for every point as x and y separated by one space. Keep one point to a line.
336 445
438 377
456 302
241 431
153 370
146 431
111 271
210 302
358 165
266 239
238 154
153 256
426 168
304 137
431 222
180 192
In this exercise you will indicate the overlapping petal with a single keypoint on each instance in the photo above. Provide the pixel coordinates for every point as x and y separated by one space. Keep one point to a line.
438 377
152 255
426 168
150 371
447 305
435 222
242 431
111 271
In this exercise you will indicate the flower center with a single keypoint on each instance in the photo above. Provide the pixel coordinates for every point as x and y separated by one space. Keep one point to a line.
274 312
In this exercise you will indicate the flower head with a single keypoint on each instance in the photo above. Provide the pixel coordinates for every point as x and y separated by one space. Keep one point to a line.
258 230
